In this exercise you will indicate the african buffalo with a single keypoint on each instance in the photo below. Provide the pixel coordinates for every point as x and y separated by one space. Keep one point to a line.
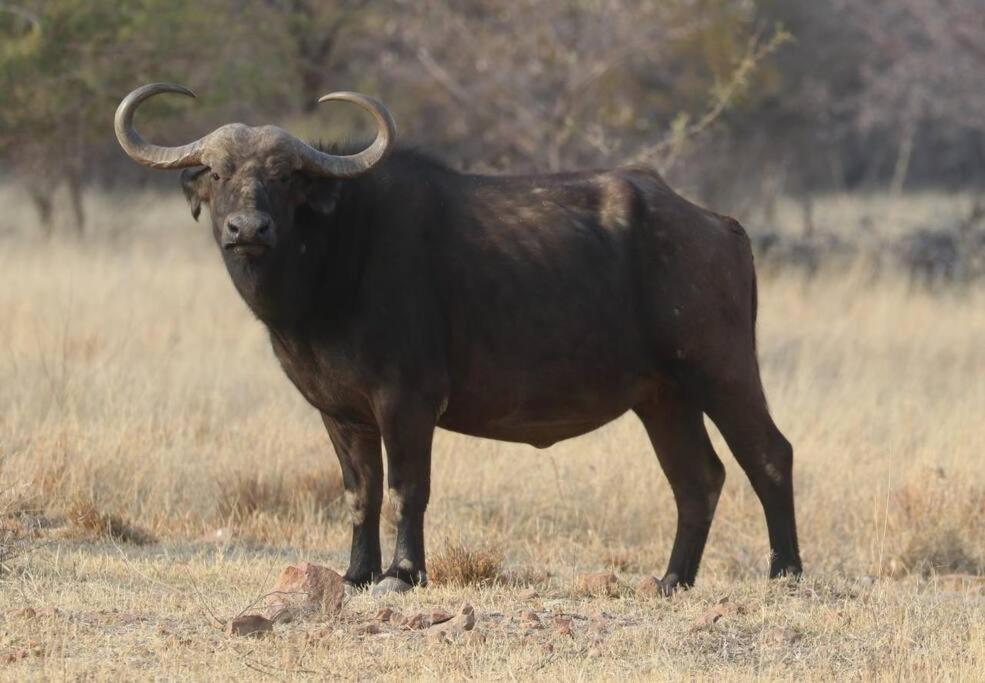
401 295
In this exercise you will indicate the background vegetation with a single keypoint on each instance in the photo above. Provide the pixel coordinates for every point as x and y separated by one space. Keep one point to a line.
810 95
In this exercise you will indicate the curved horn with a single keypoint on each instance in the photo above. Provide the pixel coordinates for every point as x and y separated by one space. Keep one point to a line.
354 164
144 152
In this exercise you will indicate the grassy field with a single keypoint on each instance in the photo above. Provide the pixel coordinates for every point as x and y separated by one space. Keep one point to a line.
157 472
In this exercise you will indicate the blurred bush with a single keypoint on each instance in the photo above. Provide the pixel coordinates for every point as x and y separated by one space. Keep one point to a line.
882 93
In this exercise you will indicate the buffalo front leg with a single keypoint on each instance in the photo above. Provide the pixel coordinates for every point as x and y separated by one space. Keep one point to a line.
696 475
358 450
407 434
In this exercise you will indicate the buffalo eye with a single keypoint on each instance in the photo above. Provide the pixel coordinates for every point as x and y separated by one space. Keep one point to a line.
215 176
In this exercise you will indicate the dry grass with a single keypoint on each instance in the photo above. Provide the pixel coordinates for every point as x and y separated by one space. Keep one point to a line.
458 564
136 392
85 518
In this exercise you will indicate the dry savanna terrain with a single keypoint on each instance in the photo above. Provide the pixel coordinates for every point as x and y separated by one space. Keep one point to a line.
158 472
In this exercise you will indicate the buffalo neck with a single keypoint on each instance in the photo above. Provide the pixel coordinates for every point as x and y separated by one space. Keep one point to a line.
314 285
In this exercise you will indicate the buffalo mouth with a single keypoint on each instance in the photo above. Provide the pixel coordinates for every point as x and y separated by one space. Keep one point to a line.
250 250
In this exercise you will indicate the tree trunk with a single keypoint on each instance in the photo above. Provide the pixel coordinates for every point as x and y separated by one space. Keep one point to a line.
78 209
42 204
903 155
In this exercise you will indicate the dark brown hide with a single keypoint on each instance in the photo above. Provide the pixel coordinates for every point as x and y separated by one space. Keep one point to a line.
528 309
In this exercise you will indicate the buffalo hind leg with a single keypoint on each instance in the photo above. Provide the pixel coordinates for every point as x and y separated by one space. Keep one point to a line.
742 416
358 450
407 434
677 431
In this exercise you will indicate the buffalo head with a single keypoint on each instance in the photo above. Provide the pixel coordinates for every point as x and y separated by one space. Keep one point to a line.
254 179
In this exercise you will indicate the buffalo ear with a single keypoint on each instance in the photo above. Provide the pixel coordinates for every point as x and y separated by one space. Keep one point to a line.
193 184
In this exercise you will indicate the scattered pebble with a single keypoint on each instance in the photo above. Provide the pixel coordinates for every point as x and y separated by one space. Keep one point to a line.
463 621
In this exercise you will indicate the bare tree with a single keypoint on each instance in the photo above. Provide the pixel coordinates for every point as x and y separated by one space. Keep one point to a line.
545 86
924 66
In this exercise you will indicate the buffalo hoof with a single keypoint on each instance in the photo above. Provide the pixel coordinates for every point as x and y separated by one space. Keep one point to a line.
670 584
390 584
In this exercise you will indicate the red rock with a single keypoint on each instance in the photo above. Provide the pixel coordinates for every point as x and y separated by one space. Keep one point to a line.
439 616
457 626
253 625
305 588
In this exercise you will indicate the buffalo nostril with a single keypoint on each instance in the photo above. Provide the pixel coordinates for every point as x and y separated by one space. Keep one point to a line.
263 228
232 228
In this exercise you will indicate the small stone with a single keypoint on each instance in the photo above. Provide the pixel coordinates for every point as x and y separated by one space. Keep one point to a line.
253 625
385 614
529 616
598 584
462 622
25 613
529 594
439 616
